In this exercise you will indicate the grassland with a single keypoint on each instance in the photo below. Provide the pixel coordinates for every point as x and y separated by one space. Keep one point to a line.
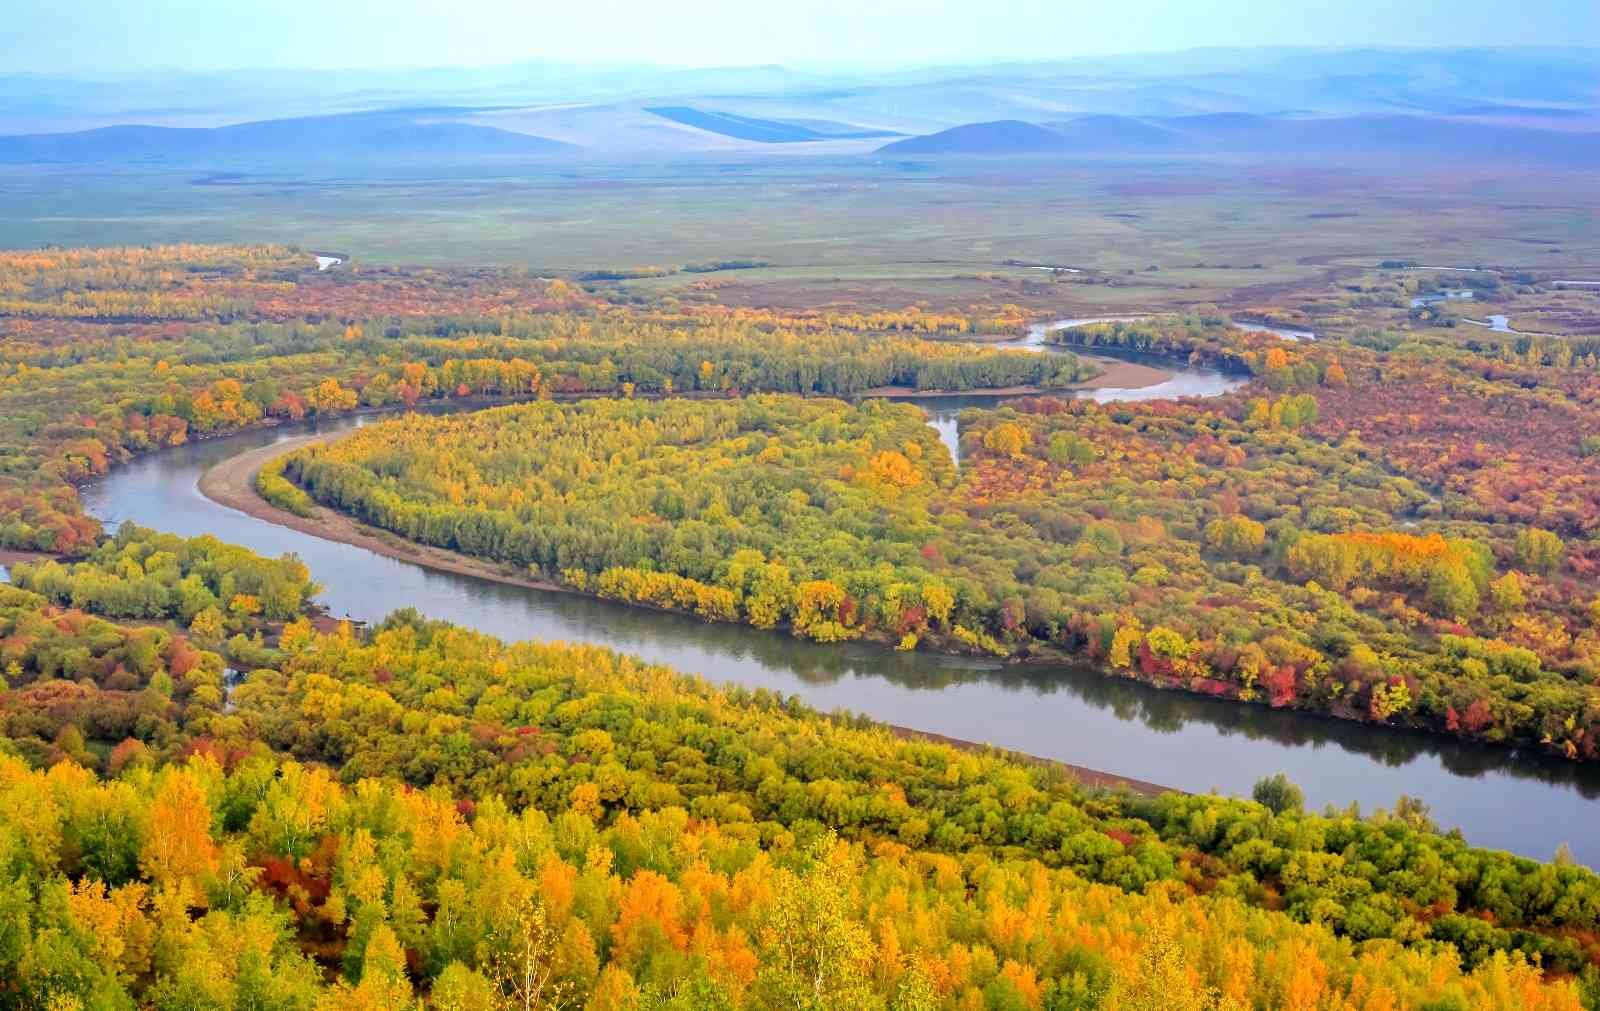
851 230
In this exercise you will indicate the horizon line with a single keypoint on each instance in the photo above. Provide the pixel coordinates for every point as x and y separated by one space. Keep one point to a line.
794 67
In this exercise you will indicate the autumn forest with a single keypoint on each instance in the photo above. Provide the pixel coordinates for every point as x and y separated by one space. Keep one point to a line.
216 794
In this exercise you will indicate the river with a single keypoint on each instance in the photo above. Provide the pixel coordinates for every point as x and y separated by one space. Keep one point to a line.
1502 324
1497 323
1527 803
1187 381
1434 298
944 412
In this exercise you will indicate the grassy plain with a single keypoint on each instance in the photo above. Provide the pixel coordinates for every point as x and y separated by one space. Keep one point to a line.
853 231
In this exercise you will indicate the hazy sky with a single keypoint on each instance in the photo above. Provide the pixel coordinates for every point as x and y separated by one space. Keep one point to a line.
78 36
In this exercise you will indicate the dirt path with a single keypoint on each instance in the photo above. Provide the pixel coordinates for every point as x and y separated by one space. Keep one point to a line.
232 483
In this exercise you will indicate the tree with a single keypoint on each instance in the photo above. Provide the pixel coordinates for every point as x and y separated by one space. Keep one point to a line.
522 960
1070 448
1278 794
915 990
244 605
459 988
1507 593
1007 438
940 601
1539 550
330 397
207 626
384 983
1452 592
815 954
1163 979
178 850
1236 535
891 469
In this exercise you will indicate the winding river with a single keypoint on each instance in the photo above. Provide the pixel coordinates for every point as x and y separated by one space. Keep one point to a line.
1527 803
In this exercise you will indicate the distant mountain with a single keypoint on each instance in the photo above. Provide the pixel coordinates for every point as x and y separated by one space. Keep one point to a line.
1121 132
1235 133
765 131
402 134
1135 102
1003 136
1396 135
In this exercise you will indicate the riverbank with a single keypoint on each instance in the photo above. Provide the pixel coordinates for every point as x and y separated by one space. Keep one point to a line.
1092 778
1067 711
232 484
11 556
1117 374
970 338
911 393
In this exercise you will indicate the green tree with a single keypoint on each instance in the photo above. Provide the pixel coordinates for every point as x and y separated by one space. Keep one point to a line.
1451 591
1539 550
1278 794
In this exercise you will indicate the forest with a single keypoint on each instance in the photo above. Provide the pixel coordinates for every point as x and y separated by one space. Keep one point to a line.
215 796
423 814
79 395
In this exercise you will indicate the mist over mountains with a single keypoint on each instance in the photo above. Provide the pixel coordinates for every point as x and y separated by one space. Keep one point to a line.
1239 134
1538 104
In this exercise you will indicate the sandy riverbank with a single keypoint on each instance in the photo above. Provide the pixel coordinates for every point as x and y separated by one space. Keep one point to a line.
1092 778
1116 374
11 556
232 483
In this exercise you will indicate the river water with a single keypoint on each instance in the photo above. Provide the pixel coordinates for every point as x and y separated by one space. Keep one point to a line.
1527 803
1434 298
944 412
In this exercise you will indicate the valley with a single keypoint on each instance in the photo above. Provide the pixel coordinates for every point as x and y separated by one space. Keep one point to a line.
1080 529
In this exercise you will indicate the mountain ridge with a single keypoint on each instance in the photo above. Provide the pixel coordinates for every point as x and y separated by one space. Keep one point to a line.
1248 133
400 133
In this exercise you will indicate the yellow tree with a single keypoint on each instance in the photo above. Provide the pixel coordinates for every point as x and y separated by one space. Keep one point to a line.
521 960
178 851
1008 437
815 954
